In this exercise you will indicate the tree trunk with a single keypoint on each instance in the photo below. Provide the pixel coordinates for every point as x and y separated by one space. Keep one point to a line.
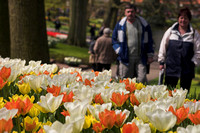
111 13
5 31
177 5
28 30
78 23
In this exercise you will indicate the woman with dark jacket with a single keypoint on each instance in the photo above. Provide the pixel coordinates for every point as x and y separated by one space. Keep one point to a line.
180 51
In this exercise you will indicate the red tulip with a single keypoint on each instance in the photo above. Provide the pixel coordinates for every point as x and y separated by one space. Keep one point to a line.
6 126
98 99
134 100
97 127
181 113
5 73
22 106
130 128
119 99
55 90
195 118
68 97
2 83
120 119
107 118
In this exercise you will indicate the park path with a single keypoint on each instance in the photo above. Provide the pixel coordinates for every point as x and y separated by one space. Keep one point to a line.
154 67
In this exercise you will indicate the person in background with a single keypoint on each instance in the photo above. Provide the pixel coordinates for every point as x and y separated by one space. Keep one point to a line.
133 43
104 51
57 25
92 31
92 57
180 51
101 30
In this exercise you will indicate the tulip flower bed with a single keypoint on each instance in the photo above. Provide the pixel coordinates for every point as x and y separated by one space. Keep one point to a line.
73 61
40 98
57 35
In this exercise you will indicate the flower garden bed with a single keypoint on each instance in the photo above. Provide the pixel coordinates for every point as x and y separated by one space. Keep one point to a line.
55 37
72 61
39 98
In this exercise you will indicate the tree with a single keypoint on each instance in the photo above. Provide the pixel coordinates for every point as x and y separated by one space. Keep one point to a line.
28 30
110 19
154 12
78 23
4 32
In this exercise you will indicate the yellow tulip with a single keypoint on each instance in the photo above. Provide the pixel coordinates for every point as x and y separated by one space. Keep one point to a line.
34 111
31 124
139 86
87 122
48 123
89 119
22 97
24 88
1 102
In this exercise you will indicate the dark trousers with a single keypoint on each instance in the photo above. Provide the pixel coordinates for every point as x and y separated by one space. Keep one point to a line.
94 66
185 82
100 67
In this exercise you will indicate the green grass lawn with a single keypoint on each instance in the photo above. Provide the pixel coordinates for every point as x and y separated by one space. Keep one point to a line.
63 50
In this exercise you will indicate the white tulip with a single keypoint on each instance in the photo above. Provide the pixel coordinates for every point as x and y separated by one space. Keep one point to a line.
69 70
103 76
58 127
142 109
179 101
7 114
50 103
83 92
164 105
143 128
189 129
34 81
77 108
194 107
62 79
51 68
77 122
180 92
87 75
106 94
161 119
143 95
158 91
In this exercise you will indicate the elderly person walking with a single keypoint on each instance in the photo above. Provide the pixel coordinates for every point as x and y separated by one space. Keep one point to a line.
104 51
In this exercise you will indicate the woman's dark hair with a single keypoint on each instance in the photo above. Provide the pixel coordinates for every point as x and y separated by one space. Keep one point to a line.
130 6
185 11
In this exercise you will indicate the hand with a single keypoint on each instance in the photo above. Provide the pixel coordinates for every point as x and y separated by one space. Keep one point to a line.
150 60
161 67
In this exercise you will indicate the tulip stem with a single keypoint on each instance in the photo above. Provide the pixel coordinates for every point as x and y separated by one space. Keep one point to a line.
18 124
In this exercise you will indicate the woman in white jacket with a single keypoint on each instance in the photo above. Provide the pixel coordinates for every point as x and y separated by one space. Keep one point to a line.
180 51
